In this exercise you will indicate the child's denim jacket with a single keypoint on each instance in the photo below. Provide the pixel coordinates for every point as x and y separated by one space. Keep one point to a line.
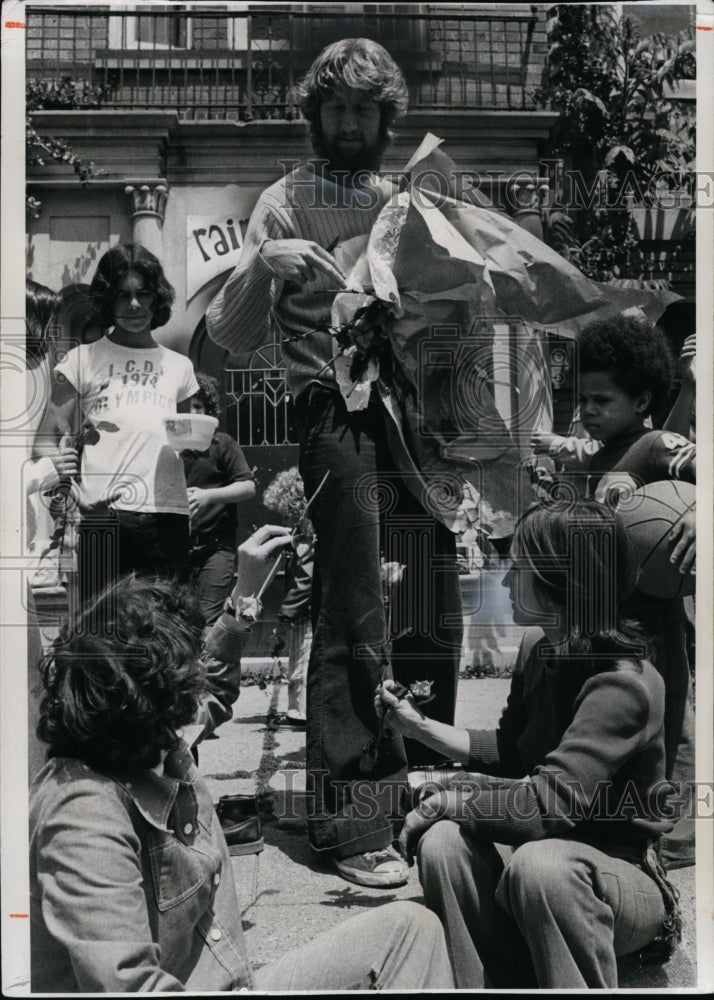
131 882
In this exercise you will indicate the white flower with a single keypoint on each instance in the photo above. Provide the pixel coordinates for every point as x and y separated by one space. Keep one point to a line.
392 572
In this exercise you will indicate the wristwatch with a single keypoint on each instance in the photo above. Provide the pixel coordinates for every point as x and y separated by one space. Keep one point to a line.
248 609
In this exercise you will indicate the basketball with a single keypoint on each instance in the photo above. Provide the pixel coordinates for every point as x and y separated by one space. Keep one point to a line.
649 514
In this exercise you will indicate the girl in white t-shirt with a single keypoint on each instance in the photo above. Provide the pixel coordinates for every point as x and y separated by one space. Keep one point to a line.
113 395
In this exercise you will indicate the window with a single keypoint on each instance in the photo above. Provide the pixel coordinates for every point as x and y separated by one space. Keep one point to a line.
152 27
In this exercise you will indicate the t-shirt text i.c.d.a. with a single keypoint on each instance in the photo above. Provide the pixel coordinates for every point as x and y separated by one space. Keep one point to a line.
124 394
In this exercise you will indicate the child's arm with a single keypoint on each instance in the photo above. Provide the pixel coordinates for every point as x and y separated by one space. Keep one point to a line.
238 484
202 503
572 452
256 557
680 416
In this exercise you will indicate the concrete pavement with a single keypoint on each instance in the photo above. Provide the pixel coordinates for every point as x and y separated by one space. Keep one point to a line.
286 898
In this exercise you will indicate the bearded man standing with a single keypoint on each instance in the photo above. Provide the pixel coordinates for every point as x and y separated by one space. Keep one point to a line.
367 509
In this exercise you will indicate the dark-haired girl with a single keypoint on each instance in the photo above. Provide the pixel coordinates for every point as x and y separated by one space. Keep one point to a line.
572 779
132 496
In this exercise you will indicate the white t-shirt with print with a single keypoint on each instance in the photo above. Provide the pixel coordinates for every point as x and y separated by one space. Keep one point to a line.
125 392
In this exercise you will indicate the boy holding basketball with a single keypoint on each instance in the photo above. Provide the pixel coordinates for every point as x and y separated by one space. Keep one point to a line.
625 372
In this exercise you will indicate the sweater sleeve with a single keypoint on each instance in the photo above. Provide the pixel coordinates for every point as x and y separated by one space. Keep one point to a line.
616 714
236 319
671 457
495 751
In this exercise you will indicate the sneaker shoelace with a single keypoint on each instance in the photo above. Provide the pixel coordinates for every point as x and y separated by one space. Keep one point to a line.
383 854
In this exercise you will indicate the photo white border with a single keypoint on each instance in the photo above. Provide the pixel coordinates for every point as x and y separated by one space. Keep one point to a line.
13 646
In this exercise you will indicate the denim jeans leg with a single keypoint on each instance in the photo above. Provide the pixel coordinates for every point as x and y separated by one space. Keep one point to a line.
459 876
349 800
212 571
666 625
426 605
578 909
399 947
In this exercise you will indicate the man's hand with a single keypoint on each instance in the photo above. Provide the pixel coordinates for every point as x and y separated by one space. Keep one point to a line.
301 261
404 711
429 811
201 505
684 537
255 558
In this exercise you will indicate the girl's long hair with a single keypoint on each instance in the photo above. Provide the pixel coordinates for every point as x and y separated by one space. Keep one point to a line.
113 267
586 568
125 676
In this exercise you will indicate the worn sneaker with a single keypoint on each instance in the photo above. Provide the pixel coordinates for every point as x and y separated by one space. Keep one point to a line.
381 869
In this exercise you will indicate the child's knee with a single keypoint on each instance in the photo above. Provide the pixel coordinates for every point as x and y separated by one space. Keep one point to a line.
542 871
439 847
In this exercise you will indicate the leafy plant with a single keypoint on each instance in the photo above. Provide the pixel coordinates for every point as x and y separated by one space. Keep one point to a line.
627 140
62 94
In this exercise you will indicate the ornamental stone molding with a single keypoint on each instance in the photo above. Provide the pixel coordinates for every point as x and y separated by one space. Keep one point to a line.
148 200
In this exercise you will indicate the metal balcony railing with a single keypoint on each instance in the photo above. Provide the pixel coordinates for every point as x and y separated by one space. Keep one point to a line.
208 63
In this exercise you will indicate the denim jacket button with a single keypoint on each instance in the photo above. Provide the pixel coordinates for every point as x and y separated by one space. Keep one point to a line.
188 828
215 934
216 878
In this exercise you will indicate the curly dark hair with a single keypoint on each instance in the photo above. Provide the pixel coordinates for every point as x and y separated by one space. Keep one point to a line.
117 694
41 305
633 352
583 560
113 268
209 394
358 63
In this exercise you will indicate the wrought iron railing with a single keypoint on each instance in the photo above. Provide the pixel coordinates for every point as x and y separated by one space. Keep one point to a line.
222 64
263 406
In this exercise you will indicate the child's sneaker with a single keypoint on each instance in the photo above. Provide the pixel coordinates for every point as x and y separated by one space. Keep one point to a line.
383 869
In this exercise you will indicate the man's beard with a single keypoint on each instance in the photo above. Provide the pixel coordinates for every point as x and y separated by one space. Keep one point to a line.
363 159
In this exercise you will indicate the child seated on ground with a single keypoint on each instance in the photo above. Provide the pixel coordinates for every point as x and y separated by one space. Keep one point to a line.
131 884
572 779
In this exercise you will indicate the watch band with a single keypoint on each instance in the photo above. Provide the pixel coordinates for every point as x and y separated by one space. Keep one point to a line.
248 609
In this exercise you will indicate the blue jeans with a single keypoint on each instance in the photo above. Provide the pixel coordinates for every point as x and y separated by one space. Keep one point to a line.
212 571
554 916
665 623
111 543
398 947
363 510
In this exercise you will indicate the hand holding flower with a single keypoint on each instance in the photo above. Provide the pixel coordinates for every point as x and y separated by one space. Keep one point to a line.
396 703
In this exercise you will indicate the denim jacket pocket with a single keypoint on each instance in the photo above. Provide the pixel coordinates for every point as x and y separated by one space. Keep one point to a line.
175 872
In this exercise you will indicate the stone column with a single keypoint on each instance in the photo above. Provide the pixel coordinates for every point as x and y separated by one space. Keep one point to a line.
147 219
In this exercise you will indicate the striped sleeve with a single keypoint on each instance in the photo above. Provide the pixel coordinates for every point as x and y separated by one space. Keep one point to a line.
675 457
237 319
